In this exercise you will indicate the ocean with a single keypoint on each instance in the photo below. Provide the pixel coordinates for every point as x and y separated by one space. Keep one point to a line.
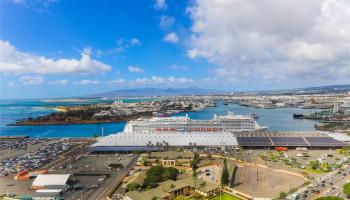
280 119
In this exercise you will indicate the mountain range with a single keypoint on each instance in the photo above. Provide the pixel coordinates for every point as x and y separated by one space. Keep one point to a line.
200 91
157 92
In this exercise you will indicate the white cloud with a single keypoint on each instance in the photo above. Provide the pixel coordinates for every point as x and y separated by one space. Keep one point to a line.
135 42
11 84
160 5
135 69
166 21
19 62
162 81
59 82
116 82
171 37
273 41
32 80
178 67
88 82
19 1
122 45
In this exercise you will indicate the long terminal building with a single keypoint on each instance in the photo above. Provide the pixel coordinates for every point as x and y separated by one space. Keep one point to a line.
229 131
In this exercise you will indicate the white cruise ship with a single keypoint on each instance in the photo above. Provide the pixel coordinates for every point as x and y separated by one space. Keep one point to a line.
227 123
229 131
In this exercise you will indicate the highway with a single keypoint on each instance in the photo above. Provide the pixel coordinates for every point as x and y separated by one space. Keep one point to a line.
331 184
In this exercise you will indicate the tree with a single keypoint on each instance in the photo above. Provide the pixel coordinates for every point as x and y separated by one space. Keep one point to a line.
171 173
325 167
282 195
314 164
133 186
330 198
171 186
346 189
225 174
203 184
157 174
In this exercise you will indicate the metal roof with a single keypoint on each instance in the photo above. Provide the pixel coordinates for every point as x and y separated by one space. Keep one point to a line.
172 139
43 180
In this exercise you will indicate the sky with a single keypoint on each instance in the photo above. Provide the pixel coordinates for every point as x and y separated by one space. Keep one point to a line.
61 48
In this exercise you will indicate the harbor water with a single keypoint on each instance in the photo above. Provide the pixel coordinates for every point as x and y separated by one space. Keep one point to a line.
279 119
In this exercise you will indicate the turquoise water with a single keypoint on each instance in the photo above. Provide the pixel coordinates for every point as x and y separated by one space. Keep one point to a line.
280 119
12 110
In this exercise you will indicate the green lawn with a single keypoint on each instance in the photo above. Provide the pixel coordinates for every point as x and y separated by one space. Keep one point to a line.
225 196
315 171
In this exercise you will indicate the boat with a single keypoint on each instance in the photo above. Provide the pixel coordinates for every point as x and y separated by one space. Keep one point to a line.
229 123
298 116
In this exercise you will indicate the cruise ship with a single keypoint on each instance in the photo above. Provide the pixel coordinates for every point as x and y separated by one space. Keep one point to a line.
227 123
229 131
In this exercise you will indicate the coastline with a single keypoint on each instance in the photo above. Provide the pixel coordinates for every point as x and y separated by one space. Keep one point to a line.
117 120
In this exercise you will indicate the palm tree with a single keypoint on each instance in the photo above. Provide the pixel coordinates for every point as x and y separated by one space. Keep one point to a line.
149 144
171 186
167 145
203 184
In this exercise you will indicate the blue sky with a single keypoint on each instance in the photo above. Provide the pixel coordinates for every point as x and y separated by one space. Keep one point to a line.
61 48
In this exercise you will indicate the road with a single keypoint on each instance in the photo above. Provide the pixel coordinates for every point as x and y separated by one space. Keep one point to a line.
109 186
331 184
334 184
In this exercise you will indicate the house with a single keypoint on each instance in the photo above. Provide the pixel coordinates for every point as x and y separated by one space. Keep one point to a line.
168 158
169 190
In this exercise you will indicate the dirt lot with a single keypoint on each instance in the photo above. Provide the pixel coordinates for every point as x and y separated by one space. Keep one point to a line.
262 182
9 185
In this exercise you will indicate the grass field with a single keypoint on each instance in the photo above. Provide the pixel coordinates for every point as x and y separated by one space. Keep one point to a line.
225 196
314 171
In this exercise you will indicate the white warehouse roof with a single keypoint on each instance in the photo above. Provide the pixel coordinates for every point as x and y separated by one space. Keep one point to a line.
172 138
43 180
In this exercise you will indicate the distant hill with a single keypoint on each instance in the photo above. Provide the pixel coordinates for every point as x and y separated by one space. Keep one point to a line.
310 90
156 92
139 92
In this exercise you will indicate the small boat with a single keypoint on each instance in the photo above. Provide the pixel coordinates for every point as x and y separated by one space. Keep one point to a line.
298 116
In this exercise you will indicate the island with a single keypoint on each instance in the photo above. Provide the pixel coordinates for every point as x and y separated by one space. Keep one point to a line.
117 111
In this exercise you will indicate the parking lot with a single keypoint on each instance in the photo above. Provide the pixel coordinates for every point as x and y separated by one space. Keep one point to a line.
94 173
41 156
34 159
